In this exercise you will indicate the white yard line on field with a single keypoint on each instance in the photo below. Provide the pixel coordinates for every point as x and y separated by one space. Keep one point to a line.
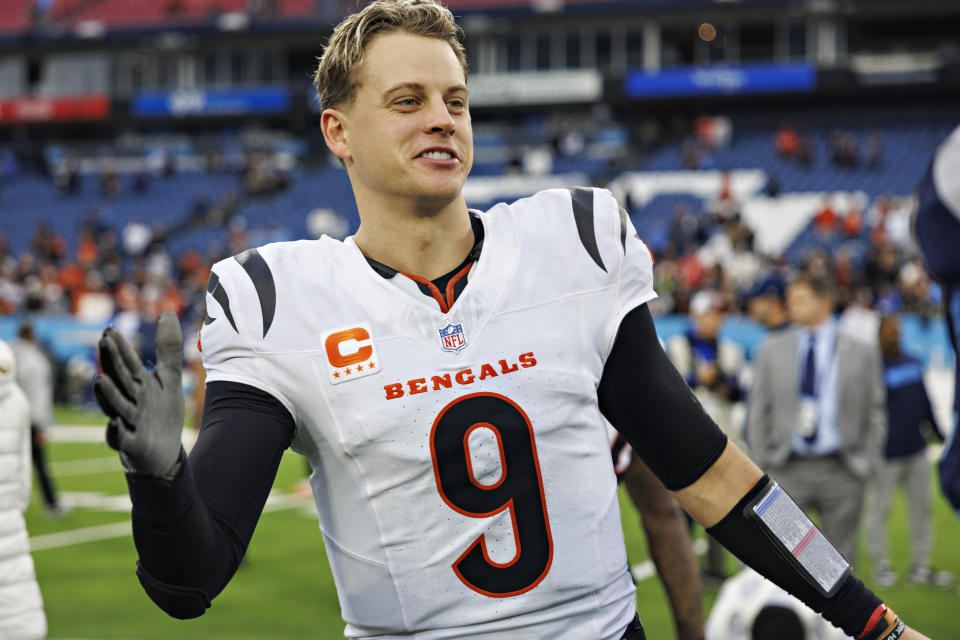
76 433
277 501
76 536
85 466
96 434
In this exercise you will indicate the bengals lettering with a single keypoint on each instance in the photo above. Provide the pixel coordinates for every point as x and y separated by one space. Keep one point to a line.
463 377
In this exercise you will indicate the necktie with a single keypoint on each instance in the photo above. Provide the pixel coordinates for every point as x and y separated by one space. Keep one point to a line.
808 386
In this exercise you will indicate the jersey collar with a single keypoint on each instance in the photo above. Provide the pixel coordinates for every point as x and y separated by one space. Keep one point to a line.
399 303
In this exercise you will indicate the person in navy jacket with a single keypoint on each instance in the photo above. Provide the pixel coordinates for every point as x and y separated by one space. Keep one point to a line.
910 418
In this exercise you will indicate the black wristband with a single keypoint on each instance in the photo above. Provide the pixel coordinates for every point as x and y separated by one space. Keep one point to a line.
851 604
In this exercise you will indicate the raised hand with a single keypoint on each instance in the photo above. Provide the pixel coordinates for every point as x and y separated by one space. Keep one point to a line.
145 408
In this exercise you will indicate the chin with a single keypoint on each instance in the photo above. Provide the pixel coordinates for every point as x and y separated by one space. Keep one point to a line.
446 190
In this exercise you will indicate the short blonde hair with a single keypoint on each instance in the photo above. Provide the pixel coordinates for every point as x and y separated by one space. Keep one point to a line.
334 78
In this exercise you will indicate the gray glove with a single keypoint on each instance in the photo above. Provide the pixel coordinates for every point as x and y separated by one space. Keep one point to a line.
145 408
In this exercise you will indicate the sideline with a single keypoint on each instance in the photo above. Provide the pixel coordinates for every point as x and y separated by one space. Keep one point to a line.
85 466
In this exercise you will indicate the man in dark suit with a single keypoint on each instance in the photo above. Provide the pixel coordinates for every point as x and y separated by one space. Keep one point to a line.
817 418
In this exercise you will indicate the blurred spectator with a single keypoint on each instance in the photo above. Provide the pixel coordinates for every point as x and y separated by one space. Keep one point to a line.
35 379
136 237
21 608
765 302
261 177
816 419
898 222
109 180
844 149
910 419
786 141
825 220
713 131
914 286
772 188
159 265
127 318
859 321
92 302
853 222
882 268
66 178
711 366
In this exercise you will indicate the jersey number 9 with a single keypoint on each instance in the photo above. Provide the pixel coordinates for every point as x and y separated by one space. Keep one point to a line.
519 489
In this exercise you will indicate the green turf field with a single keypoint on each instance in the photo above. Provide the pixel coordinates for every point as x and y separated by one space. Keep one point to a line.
285 590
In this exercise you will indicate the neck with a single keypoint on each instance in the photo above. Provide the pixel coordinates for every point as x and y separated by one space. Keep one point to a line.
776 319
422 240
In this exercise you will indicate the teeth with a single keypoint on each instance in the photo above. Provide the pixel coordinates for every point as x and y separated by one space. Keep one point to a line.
438 155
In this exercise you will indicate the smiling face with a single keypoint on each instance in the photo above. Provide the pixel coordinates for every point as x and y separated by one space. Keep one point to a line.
406 135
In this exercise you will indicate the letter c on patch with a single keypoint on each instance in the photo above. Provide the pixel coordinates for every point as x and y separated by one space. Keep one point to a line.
357 335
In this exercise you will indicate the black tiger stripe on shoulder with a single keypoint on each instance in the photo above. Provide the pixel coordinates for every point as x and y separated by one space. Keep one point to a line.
582 199
259 271
220 295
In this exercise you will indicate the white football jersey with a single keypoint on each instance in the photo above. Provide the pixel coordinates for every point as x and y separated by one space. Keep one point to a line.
461 467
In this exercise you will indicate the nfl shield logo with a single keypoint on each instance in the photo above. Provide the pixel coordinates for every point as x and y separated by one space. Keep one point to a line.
452 337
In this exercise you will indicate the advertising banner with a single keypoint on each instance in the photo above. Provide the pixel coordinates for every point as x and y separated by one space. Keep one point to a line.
212 102
721 80
50 109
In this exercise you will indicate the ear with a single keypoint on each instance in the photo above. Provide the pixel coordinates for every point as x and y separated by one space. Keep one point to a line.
333 124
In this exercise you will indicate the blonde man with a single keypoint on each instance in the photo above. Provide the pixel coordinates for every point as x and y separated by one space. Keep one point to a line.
446 372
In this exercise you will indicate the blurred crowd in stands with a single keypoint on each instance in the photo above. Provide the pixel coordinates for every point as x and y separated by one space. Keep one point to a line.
124 272
714 250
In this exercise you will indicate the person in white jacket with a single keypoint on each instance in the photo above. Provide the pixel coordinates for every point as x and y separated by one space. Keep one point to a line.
21 605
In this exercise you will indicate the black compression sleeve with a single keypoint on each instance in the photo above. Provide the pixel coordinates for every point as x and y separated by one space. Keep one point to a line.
191 532
643 395
848 608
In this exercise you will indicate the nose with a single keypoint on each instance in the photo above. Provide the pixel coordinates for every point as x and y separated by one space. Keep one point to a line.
439 119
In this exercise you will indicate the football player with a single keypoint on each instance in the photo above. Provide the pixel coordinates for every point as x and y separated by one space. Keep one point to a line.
448 373
937 229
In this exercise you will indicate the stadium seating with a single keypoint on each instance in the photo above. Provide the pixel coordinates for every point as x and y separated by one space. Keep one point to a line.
657 189
907 149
